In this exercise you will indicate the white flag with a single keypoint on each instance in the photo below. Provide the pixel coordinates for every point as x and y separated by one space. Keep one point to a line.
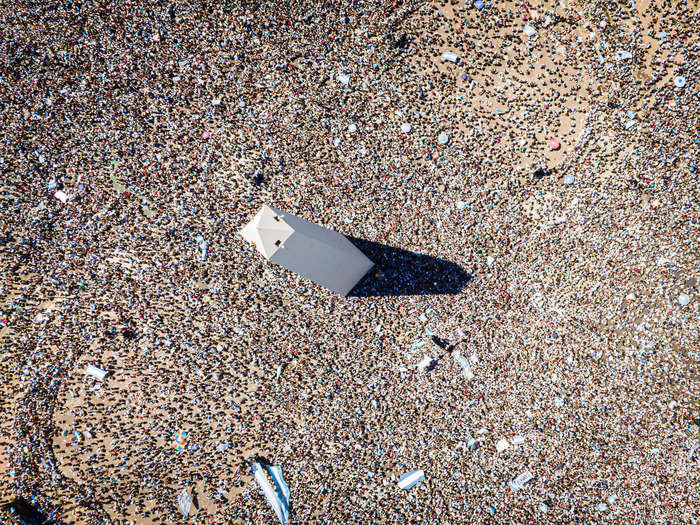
277 496
184 502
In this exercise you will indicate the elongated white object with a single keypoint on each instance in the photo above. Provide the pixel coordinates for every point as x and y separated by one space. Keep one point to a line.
450 56
95 372
411 479
464 364
184 502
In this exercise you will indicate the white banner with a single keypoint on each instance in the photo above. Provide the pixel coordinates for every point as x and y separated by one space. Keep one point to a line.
184 502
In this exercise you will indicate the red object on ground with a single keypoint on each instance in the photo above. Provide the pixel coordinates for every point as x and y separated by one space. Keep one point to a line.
554 144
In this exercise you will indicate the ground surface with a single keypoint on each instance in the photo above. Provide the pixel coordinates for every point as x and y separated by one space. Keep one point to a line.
561 286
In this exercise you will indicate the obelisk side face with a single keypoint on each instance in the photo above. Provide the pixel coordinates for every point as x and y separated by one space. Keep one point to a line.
321 255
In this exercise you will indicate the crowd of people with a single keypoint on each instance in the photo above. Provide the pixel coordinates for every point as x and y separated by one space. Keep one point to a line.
529 201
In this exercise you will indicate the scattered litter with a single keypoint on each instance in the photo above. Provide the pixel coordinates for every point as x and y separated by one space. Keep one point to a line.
422 318
502 445
411 479
216 101
684 299
554 144
443 138
461 205
558 401
343 78
517 440
568 179
602 507
417 345
352 128
612 499
679 81
406 127
479 4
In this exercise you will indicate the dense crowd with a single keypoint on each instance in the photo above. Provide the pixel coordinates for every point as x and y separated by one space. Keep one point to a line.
564 272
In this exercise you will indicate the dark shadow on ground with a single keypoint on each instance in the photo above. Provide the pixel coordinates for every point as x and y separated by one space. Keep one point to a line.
400 272
24 512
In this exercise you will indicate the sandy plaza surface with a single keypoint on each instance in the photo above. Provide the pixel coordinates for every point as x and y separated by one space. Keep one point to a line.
523 175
